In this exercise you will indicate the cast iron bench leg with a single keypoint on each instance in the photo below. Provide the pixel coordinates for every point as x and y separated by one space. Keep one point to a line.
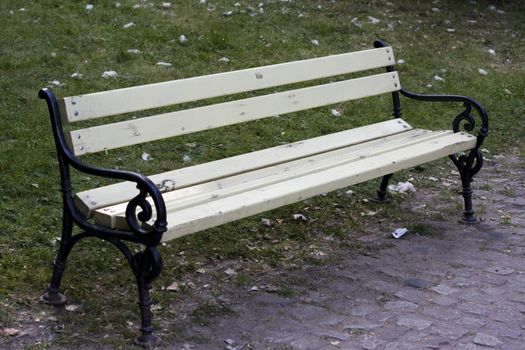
52 295
382 191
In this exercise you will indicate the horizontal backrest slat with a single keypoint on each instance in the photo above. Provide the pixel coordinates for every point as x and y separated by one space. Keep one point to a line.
132 99
109 136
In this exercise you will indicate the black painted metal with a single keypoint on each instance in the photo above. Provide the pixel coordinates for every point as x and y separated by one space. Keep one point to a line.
468 164
381 195
146 265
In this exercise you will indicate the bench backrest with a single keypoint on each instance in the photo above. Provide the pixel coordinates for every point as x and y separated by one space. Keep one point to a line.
156 127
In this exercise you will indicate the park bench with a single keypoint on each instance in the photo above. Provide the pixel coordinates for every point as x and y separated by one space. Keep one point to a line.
153 209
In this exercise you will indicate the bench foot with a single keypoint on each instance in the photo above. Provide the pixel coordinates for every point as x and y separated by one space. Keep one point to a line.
381 197
53 298
147 341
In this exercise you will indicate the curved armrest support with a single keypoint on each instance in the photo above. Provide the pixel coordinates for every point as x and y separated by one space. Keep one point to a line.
465 116
145 186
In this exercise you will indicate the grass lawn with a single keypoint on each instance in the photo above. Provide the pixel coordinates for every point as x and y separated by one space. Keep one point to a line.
441 47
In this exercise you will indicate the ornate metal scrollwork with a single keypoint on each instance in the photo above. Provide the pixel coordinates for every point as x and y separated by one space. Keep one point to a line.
469 123
469 165
136 220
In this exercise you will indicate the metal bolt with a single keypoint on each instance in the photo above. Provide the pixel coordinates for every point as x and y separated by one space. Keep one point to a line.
78 136
75 113
387 50
73 102
395 84
81 148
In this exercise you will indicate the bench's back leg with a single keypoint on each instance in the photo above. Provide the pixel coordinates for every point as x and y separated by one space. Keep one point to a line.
382 191
52 295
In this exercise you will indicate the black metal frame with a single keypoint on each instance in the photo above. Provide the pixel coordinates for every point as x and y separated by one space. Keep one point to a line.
468 164
147 264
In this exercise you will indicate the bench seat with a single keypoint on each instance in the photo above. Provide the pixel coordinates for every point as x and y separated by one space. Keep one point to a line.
211 194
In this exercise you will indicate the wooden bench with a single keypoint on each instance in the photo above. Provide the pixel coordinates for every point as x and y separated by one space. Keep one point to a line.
161 207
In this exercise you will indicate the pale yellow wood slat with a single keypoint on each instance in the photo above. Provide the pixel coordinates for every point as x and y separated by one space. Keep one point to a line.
100 104
113 216
223 210
88 201
166 125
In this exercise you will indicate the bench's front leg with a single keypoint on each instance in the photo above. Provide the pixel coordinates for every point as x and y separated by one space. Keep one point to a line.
52 296
468 166
147 266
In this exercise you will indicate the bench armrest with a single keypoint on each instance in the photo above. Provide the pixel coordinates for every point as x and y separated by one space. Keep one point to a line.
465 116
145 186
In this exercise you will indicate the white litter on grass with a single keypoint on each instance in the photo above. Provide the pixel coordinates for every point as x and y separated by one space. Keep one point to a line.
182 39
128 25
315 42
400 61
224 60
491 51
117 4
373 20
482 71
438 78
166 5
134 51
55 83
186 158
173 287
230 272
146 156
227 13
356 22
335 113
89 7
71 308
164 64
398 232
299 217
402 187
76 75
349 192
202 2
266 222
432 178
450 30
109 74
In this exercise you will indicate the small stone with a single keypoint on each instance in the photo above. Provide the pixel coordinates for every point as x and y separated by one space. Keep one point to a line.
486 340
418 283
400 306
414 322
500 270
443 289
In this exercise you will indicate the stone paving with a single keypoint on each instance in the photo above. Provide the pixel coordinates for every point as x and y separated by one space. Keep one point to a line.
463 288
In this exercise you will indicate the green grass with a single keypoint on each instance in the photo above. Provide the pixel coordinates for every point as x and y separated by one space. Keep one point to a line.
50 40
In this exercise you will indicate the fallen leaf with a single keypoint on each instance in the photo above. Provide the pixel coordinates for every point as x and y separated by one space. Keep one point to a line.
174 287
11 332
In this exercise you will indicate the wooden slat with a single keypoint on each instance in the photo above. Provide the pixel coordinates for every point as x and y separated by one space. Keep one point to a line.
248 203
144 97
161 126
113 216
90 200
